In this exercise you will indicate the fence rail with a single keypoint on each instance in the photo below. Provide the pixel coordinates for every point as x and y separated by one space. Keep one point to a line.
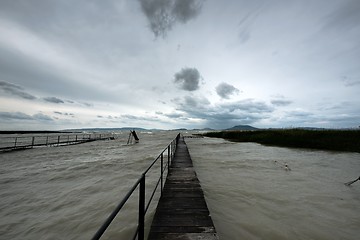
141 183
25 142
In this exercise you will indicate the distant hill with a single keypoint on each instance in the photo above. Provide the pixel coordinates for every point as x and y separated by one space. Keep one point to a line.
243 128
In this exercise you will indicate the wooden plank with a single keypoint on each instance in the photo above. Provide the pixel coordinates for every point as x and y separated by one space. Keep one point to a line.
182 213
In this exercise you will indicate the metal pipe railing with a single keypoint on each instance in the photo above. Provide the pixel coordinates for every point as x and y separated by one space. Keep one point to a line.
22 142
143 206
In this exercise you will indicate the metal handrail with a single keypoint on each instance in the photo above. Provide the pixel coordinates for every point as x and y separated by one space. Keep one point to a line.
140 231
21 142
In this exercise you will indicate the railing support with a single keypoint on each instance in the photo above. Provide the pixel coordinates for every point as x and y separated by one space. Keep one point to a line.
161 173
140 231
168 156
142 209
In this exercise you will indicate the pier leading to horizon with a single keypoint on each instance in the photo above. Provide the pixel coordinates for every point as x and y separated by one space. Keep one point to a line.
182 212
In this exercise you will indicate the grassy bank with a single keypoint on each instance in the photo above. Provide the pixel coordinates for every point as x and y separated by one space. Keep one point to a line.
338 140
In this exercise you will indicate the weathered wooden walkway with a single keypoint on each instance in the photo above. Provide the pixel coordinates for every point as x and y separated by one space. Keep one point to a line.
182 213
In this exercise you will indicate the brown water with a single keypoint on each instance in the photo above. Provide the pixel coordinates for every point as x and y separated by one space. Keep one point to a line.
67 192
251 196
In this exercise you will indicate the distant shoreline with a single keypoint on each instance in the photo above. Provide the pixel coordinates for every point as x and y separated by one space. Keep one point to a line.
30 132
336 140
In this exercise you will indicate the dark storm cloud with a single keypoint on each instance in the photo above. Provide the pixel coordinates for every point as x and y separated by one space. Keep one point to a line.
246 24
188 79
42 117
11 116
56 17
86 104
173 115
299 115
164 14
223 115
280 102
348 82
14 116
53 100
15 90
139 118
248 105
64 113
27 72
345 17
225 90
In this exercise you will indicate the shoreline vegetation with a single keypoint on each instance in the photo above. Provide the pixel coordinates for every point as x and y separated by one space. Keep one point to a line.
336 140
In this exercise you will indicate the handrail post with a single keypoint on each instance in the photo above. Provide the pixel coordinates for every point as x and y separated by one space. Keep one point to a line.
168 156
172 150
162 169
140 183
141 223
47 140
58 140
32 141
15 142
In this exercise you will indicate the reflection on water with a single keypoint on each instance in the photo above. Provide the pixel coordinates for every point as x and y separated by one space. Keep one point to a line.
251 196
68 192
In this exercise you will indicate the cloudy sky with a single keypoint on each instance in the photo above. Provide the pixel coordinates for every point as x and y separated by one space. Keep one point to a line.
179 63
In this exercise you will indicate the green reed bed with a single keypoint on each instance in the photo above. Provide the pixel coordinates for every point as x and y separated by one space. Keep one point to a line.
338 140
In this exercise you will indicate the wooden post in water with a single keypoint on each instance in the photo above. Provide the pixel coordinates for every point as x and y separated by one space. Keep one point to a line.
141 218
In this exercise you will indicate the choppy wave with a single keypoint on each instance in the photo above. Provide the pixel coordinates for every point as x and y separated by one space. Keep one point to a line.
67 192
251 196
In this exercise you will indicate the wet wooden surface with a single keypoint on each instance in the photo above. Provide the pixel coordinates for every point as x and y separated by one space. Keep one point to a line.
182 213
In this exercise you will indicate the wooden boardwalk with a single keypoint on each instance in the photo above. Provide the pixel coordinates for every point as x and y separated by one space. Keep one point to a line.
182 213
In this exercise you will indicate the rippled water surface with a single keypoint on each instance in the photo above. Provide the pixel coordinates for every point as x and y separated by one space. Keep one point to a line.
67 192
251 195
